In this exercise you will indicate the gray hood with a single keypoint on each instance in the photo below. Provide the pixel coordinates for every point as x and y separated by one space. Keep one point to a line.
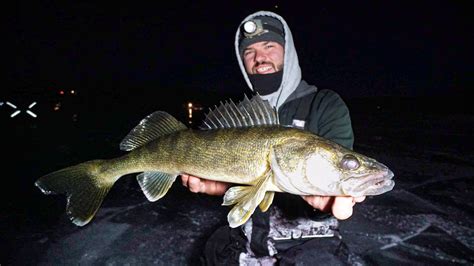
291 68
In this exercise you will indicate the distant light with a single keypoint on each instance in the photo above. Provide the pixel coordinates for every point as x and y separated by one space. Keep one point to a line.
61 92
57 106
276 6
190 110
31 105
1 103
31 113
73 92
11 105
15 113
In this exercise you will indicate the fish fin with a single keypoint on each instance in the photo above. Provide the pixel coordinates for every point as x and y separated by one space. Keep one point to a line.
150 128
85 186
246 199
267 201
253 112
155 184
235 194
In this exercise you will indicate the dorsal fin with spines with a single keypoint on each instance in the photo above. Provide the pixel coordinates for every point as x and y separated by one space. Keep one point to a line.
151 127
248 113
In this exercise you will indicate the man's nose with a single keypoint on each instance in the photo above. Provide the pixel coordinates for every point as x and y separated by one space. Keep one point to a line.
260 56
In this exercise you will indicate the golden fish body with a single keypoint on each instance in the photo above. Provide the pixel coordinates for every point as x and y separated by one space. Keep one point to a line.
262 158
237 155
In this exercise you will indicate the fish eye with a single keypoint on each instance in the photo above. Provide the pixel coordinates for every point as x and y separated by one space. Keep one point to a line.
349 162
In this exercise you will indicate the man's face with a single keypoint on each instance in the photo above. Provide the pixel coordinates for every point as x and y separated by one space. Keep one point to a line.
263 58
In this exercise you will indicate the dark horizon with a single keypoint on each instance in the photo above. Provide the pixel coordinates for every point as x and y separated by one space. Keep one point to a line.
357 49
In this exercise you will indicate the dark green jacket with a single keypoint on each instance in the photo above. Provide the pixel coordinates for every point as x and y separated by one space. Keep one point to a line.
324 113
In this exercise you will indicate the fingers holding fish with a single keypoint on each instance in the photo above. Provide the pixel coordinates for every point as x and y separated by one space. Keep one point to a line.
322 203
342 207
193 183
199 185
358 199
184 179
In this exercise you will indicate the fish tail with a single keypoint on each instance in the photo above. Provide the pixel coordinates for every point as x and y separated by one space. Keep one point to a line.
85 186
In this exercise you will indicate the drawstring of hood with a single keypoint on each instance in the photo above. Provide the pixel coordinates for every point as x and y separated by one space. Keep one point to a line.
291 76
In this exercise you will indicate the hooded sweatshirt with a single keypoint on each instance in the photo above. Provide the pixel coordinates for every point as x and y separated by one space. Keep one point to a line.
291 70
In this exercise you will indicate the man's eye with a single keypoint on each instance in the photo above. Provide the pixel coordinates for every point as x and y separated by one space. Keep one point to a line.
247 53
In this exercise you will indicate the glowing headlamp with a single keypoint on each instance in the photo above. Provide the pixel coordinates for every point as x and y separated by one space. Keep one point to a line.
253 28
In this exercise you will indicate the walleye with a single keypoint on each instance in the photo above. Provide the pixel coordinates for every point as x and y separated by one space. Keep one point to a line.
241 144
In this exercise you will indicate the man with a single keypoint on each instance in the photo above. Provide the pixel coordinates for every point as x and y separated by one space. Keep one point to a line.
268 60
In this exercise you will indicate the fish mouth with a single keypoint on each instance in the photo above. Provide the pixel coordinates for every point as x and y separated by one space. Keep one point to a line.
373 184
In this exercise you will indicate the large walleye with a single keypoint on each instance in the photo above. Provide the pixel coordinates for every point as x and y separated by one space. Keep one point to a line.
241 144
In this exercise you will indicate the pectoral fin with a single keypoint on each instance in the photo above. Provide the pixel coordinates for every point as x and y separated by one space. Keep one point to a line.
155 184
267 201
236 194
246 200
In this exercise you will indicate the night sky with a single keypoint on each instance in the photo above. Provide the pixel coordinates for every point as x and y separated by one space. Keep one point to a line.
358 48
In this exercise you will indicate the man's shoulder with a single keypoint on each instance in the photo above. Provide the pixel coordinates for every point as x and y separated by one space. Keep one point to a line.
316 99
328 96
327 93
309 91
327 103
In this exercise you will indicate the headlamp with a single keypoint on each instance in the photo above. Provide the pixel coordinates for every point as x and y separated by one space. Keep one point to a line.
253 28
259 29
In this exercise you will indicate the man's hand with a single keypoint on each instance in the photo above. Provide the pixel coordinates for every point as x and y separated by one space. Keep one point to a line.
341 207
198 185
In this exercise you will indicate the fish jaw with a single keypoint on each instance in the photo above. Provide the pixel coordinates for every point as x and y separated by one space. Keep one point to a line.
370 184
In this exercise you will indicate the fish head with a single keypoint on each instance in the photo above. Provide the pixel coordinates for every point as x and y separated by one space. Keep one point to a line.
339 171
